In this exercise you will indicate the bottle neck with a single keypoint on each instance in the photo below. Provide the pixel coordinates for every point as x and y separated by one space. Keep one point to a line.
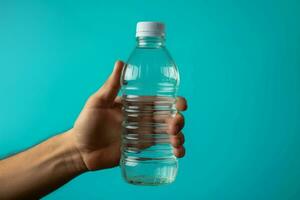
150 42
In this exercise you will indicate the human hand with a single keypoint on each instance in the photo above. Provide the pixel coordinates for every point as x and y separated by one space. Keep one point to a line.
97 131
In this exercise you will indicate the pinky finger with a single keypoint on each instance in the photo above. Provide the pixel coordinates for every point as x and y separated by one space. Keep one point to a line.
179 152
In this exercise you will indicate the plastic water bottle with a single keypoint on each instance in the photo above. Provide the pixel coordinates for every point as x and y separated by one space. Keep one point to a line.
149 82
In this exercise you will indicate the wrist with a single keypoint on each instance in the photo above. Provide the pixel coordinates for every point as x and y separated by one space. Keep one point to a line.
72 157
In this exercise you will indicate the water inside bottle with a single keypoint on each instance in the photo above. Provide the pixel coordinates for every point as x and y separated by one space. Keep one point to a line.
147 155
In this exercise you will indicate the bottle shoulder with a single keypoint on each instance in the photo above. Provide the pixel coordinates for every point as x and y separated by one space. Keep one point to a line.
153 61
161 53
151 58
150 68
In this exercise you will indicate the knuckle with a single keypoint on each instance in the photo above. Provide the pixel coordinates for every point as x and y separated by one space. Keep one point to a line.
180 120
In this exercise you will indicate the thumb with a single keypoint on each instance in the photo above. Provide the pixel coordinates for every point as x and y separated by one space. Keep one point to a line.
108 92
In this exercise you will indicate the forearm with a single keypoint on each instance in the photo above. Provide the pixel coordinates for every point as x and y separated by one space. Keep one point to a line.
41 169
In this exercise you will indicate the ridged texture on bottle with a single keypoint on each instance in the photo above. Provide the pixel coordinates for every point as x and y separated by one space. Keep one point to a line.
145 141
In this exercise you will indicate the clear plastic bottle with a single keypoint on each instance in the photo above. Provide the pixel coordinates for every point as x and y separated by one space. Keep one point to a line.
149 82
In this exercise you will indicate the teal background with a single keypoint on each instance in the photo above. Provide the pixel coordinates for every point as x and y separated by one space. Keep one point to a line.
240 71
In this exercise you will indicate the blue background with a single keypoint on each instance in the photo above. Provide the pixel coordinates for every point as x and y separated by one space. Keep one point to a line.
240 71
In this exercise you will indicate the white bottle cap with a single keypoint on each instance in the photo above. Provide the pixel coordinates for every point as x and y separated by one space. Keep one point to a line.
150 29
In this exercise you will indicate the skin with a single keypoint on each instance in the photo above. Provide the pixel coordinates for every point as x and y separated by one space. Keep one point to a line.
92 144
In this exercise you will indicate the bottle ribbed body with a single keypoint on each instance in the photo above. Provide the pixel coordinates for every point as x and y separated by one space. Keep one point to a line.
149 86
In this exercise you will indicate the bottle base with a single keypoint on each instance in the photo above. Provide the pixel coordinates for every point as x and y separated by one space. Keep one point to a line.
149 172
148 181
